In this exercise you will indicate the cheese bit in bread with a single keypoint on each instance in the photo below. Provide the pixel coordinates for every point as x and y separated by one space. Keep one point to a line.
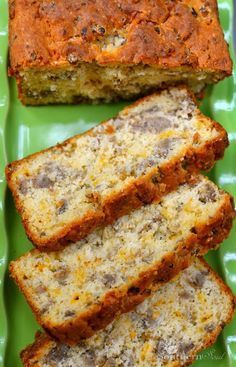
63 193
80 289
168 329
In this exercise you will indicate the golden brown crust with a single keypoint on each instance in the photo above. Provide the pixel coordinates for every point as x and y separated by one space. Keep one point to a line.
35 349
43 341
125 298
142 191
165 34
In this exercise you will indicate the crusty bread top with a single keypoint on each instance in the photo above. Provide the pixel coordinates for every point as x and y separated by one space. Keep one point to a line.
116 256
80 178
167 34
168 329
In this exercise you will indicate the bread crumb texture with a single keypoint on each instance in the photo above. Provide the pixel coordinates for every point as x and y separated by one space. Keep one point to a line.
115 257
85 177
168 329
67 51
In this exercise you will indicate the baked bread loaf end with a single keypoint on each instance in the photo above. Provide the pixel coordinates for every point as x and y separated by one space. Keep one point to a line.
70 51
181 319
92 179
79 290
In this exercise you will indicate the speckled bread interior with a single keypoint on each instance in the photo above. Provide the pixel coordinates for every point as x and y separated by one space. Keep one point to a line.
92 179
70 51
168 329
114 268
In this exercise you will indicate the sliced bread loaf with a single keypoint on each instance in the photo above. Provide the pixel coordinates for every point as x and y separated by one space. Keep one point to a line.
94 178
80 289
168 329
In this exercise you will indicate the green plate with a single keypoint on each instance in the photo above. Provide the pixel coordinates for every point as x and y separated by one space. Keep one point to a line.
24 130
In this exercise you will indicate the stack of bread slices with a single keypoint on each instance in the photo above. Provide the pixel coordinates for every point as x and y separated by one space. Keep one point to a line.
120 217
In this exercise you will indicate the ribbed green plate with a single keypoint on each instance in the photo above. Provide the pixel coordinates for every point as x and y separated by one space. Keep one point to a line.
24 130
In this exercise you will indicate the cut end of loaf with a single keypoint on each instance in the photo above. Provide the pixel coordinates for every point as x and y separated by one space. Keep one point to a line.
92 83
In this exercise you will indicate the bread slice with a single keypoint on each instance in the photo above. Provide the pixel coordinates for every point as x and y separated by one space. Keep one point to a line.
168 329
79 290
94 178
69 51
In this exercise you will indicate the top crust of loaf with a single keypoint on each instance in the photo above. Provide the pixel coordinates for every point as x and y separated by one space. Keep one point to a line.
165 34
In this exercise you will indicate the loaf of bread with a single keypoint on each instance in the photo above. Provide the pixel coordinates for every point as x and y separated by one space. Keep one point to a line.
80 289
90 180
70 51
168 329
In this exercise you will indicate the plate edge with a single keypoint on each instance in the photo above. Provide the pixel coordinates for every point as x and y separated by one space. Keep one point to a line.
4 106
